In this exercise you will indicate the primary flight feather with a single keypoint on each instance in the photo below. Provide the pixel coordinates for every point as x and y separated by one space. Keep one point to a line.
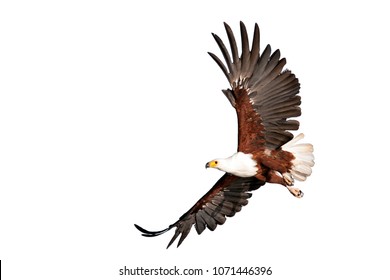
266 99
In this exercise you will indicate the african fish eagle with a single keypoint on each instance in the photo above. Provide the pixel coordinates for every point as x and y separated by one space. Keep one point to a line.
265 97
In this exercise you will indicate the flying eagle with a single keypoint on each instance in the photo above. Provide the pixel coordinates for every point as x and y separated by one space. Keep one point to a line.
265 97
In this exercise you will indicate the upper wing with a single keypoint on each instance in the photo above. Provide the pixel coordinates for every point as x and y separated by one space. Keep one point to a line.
225 198
264 95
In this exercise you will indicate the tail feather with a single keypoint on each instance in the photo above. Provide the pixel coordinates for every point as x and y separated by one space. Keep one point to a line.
304 158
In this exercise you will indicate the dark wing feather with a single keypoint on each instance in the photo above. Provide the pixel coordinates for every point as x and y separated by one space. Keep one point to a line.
259 82
223 200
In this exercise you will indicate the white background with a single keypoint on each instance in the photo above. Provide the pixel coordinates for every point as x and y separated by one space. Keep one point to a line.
110 109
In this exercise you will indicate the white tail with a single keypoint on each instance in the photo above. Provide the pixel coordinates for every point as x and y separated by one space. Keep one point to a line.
304 158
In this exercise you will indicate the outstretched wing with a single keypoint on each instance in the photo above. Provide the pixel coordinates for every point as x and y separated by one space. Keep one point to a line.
264 95
223 200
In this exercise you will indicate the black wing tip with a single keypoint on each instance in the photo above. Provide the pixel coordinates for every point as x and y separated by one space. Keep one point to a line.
242 25
227 26
148 233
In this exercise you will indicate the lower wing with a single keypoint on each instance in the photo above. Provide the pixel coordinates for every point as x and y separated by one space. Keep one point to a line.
223 200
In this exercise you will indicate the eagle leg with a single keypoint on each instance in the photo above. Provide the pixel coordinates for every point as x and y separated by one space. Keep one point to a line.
274 178
295 192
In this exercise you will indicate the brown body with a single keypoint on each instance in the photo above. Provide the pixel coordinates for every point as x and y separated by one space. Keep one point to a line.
270 162
272 166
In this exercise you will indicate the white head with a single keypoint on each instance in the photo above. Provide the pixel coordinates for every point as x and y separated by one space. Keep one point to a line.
219 163
239 164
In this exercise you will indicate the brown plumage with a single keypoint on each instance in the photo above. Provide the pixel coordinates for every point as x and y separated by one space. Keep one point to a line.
265 98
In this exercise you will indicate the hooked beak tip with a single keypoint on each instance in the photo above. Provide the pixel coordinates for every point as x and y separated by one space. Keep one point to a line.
207 165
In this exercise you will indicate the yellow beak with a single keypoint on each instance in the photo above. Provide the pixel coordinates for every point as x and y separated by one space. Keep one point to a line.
211 164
